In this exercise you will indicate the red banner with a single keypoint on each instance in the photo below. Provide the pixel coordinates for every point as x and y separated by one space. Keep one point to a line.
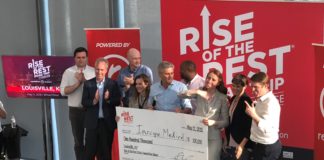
319 102
34 76
112 44
247 37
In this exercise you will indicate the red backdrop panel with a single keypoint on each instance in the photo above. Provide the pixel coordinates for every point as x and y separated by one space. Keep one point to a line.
247 37
319 102
112 44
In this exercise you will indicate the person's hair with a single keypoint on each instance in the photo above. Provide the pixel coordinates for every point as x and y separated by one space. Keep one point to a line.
164 65
240 79
146 80
101 59
80 49
260 77
188 66
220 86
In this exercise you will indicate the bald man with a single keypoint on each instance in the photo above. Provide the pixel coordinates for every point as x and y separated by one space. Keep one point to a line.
127 75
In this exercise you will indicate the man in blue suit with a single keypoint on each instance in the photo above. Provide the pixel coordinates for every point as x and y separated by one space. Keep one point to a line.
100 98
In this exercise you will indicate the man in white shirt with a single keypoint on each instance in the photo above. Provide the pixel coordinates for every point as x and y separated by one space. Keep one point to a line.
265 114
72 87
191 79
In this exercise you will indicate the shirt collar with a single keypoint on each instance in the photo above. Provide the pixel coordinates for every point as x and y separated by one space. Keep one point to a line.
196 76
267 95
83 69
135 70
101 82
168 86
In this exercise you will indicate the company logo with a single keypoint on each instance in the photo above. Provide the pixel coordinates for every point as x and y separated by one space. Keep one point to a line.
127 117
116 62
40 71
322 102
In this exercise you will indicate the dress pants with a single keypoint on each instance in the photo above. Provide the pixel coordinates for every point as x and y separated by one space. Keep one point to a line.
99 142
267 151
214 149
76 115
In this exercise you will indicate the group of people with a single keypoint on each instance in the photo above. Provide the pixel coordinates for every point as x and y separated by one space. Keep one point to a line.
251 127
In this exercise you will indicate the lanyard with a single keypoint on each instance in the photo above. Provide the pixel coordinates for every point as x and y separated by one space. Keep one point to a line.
139 103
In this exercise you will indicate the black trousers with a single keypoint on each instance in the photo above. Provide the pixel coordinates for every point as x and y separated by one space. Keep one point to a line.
267 151
76 116
231 155
2 144
12 142
99 142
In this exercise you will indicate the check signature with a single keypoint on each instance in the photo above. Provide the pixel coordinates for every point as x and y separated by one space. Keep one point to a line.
181 156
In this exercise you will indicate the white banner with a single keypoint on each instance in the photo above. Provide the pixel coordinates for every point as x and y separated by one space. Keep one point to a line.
156 135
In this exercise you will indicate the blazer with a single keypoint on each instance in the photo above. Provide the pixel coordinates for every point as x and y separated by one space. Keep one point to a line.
108 107
218 112
240 126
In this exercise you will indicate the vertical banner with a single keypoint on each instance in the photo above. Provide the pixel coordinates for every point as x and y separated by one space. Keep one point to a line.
319 102
34 76
112 44
248 37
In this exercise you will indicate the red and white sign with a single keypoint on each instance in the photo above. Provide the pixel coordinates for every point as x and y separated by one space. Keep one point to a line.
319 102
248 37
112 44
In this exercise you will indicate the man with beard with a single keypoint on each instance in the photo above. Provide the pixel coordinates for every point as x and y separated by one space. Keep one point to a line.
191 78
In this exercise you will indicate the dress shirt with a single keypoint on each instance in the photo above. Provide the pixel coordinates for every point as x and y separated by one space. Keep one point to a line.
268 109
68 79
197 82
100 86
142 69
167 99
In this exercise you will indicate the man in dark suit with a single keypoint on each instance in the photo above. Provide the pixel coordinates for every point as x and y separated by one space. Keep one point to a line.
100 97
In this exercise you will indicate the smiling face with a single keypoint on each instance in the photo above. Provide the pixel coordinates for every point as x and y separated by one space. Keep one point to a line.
134 58
238 89
166 75
211 81
259 84
101 70
259 89
140 85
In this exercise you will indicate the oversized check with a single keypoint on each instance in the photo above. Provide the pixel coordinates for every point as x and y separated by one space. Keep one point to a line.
156 135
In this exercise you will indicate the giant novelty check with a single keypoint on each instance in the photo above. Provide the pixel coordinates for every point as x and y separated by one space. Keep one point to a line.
156 135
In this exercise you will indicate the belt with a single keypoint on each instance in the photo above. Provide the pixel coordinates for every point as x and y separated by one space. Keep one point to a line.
265 145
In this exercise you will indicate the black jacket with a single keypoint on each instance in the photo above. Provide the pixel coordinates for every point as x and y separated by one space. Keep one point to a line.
108 107
241 122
